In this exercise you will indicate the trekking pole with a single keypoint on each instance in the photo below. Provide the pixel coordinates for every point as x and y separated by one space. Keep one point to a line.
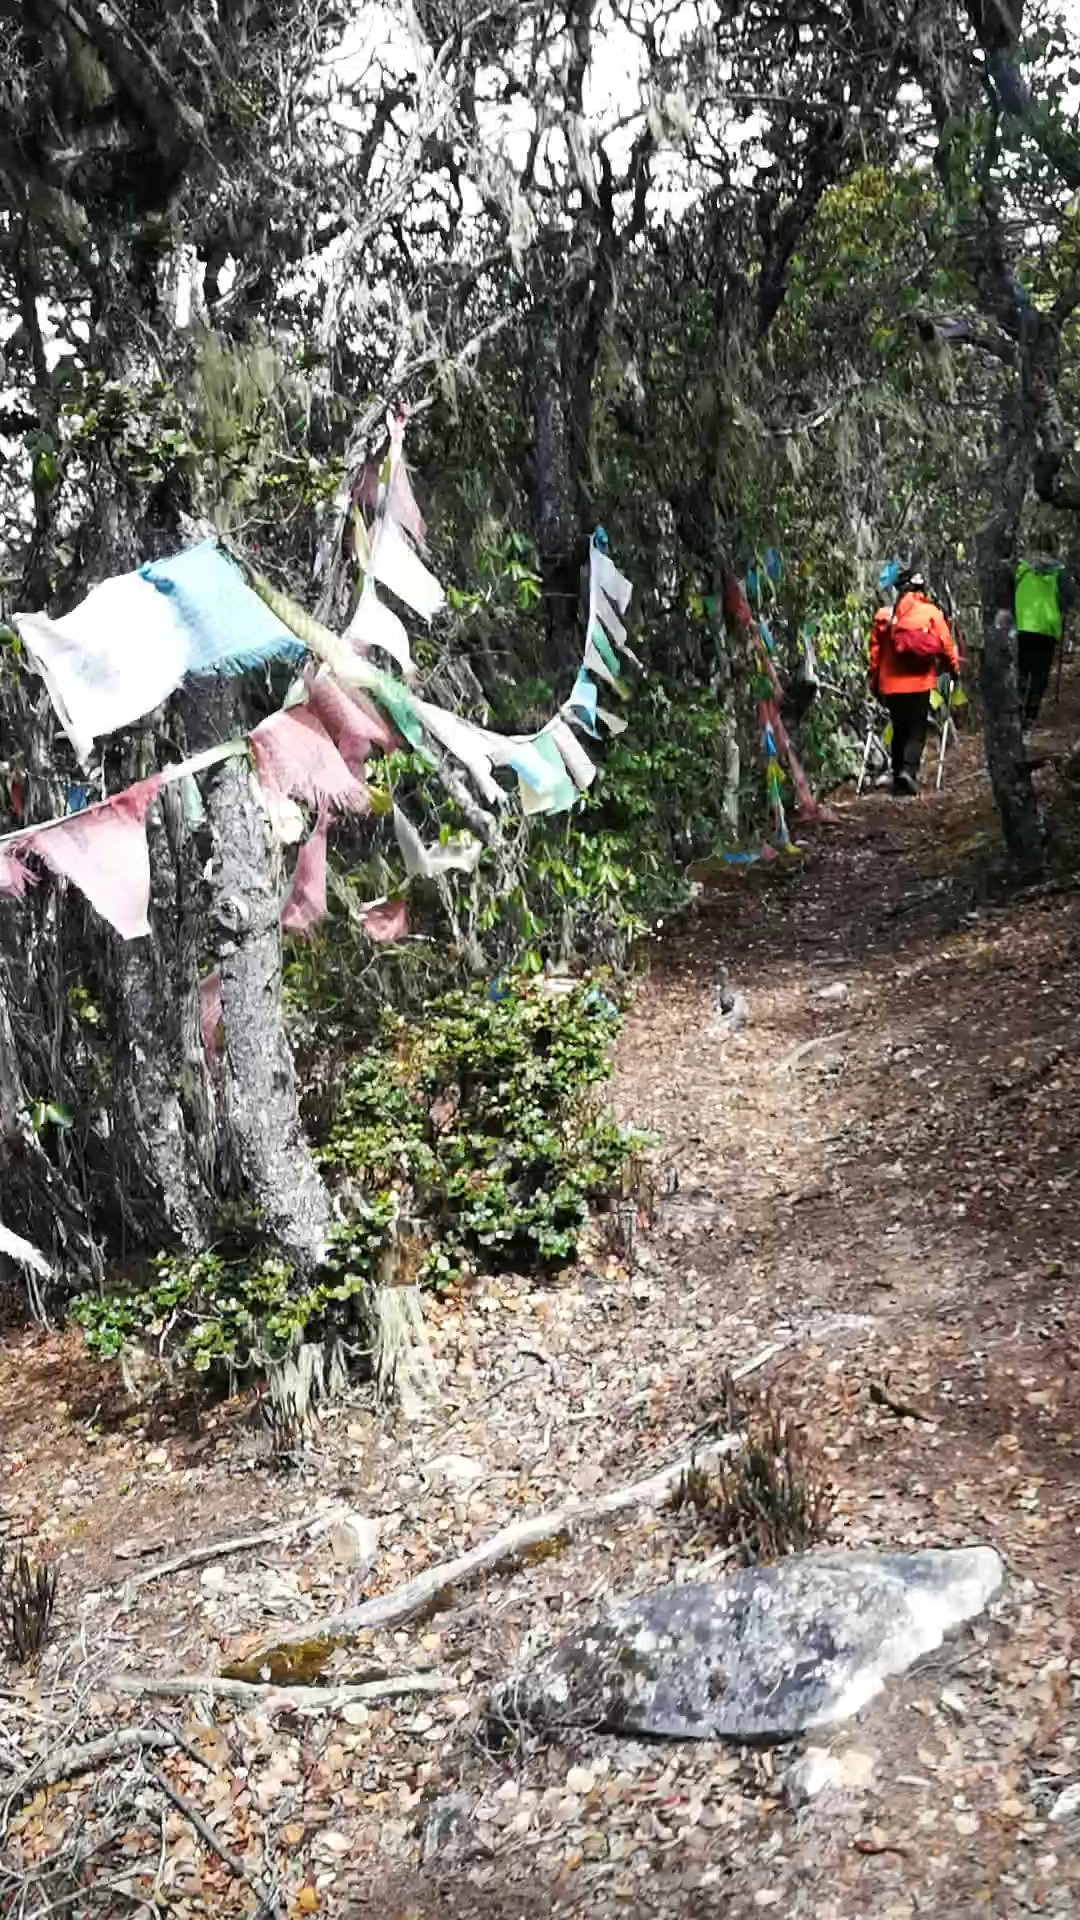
865 759
946 724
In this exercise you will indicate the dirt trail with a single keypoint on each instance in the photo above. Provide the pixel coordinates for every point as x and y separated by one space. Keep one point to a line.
880 1173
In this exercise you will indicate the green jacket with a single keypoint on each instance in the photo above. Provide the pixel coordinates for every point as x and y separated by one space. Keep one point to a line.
1039 600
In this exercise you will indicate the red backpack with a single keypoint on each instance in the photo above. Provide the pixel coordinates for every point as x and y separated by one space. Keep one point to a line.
916 640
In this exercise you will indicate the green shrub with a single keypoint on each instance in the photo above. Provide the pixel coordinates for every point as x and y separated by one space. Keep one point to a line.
479 1118
475 1126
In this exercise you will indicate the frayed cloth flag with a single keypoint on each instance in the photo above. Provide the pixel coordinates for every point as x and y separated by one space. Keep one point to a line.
227 627
400 704
424 863
467 743
612 721
111 661
398 568
354 725
15 877
385 921
103 852
14 1247
400 499
306 904
609 590
345 663
574 757
581 705
507 750
561 793
295 757
600 659
383 735
375 625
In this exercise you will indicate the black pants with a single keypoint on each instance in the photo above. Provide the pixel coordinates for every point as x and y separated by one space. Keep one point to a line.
909 713
1034 660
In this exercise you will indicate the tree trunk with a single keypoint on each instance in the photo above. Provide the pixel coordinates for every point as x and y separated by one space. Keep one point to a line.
38 1200
163 1103
555 503
262 1118
1006 755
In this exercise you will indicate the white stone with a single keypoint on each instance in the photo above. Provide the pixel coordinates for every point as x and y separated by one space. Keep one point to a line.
354 1540
1067 1804
454 1470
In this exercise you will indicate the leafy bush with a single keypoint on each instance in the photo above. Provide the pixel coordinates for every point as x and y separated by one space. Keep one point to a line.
471 1132
478 1118
239 1304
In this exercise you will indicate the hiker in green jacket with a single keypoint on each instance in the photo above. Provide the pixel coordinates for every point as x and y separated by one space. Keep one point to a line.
1043 600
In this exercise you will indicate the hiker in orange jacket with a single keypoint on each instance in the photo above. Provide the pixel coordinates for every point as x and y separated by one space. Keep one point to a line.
908 643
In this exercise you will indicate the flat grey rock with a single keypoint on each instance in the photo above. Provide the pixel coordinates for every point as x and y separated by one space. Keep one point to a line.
763 1656
446 1820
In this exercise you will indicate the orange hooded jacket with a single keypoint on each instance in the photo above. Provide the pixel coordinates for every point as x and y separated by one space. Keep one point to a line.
891 672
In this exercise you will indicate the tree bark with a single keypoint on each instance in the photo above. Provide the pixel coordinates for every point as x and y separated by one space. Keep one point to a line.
163 1101
557 517
265 1138
1027 409
37 1199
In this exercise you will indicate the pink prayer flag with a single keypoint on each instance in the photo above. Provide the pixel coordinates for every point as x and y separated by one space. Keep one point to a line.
353 729
306 903
382 733
386 922
211 1015
295 756
103 852
15 876
400 499
401 502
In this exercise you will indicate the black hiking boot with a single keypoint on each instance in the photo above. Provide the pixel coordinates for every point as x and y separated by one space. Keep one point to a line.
904 784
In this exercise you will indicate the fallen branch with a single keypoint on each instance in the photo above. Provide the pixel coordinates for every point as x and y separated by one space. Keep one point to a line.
71 1761
794 1059
881 1398
327 1699
420 1594
218 1549
237 1867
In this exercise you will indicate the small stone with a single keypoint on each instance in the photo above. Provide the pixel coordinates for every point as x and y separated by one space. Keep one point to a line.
508 1790
830 995
819 1771
953 1703
767 1897
966 1824
1067 1804
580 1780
445 1821
355 1714
454 1470
354 1540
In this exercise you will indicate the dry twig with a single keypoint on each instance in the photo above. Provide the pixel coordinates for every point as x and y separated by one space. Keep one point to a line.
95 1753
417 1595
326 1699
268 1902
